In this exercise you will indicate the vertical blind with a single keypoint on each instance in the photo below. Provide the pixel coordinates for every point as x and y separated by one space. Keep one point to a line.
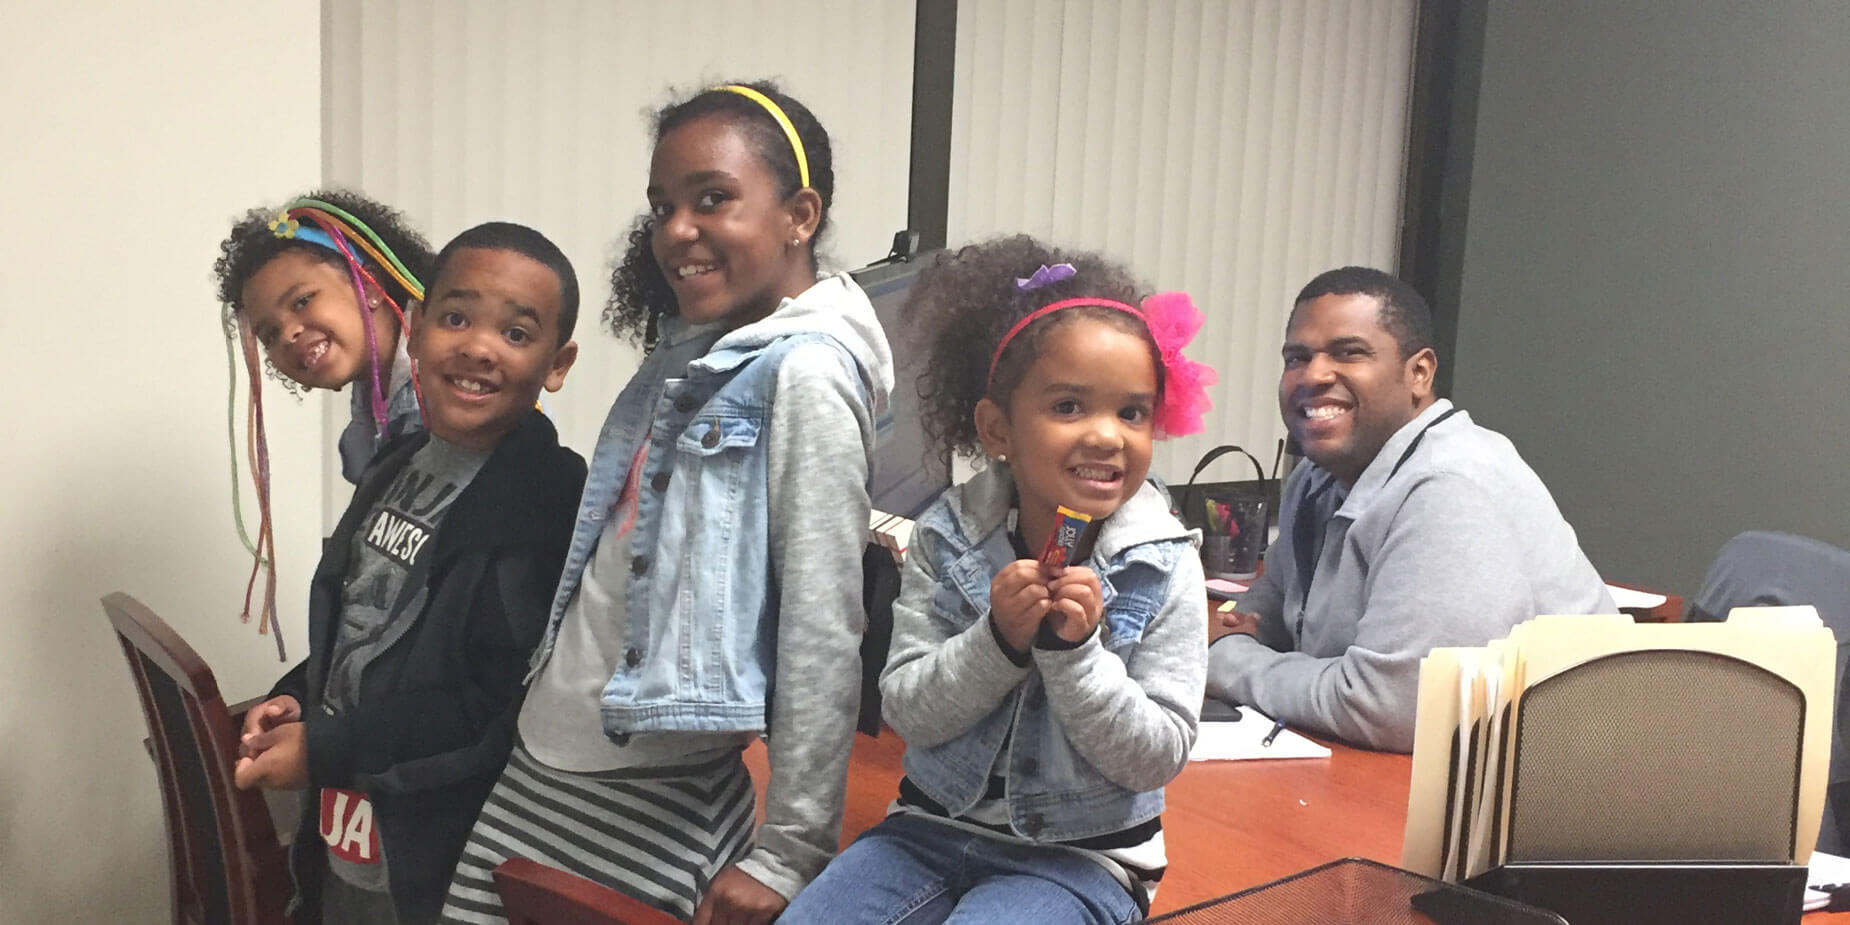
1229 148
537 111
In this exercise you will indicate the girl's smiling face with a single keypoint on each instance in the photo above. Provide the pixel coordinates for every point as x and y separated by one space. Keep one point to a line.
303 312
730 245
1077 430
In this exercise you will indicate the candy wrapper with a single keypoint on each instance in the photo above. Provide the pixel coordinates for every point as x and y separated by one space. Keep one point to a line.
1069 526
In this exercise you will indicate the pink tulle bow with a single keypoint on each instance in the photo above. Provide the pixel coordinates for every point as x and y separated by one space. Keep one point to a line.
1174 320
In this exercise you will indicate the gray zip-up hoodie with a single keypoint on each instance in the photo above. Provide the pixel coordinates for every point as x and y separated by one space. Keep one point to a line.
821 452
1457 546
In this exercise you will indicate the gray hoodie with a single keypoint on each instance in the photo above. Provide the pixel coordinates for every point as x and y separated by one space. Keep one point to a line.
1459 545
821 453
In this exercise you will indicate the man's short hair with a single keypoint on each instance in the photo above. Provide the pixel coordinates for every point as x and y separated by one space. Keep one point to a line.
1403 314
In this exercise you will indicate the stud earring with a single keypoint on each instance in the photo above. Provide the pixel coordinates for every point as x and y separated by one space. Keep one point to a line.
1002 457
796 242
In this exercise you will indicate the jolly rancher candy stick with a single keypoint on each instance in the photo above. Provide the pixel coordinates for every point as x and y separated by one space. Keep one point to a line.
1069 526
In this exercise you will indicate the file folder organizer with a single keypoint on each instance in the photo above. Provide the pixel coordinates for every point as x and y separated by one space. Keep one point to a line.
1356 891
1625 772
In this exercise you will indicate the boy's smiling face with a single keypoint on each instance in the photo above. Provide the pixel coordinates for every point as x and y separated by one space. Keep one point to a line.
487 340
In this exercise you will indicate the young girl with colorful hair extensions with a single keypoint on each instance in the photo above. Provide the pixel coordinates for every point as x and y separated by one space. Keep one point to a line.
320 287
712 592
1047 661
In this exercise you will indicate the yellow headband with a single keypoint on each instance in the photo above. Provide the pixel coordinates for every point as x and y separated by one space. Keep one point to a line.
796 142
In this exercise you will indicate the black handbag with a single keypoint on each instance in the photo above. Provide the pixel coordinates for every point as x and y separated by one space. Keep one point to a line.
1206 506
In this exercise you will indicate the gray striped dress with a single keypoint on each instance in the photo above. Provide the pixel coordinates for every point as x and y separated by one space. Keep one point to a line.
659 834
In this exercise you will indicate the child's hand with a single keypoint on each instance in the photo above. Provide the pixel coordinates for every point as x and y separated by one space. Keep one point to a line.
266 716
737 898
280 759
1018 600
1078 603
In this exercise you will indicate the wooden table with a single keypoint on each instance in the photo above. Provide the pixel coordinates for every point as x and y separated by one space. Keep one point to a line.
1670 611
1229 824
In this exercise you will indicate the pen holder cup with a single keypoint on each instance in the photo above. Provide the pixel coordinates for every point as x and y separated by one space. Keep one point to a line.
1232 536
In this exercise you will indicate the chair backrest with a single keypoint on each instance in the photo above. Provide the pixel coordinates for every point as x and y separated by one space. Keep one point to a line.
1760 568
227 864
535 894
879 589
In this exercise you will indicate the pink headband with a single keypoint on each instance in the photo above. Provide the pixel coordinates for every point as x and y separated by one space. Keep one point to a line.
1172 320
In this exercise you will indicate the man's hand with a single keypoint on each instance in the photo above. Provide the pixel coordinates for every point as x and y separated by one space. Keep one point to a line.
1018 600
1078 603
277 759
1228 622
266 716
737 898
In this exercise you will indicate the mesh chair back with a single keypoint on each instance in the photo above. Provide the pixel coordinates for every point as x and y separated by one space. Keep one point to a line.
1657 755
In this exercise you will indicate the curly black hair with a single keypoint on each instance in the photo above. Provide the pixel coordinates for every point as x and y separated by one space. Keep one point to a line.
251 245
639 293
965 303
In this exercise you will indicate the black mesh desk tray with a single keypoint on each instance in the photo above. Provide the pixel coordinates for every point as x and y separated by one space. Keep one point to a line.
1355 891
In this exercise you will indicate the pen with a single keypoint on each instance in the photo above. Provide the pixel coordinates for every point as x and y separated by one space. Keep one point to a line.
1277 728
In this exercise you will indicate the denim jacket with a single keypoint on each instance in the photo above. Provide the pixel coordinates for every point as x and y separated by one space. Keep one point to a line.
700 601
1093 733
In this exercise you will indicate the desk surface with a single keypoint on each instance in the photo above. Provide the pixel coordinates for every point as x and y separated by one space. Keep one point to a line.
1229 824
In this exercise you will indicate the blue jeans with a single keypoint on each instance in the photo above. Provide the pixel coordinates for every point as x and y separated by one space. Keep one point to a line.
911 870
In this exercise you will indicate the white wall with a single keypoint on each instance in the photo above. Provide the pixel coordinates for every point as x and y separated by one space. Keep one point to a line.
130 140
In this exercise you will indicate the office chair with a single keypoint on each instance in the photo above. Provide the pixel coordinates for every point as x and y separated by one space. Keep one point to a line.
227 864
1759 568
535 894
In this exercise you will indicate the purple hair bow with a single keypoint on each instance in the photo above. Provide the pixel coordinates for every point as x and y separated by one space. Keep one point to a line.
1046 275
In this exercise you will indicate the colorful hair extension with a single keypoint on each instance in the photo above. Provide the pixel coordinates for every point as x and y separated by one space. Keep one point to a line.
341 232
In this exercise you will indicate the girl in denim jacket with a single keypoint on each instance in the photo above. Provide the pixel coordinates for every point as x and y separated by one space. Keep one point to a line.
1044 707
712 591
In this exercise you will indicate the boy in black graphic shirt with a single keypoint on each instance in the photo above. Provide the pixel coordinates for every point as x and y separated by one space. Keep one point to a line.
431 595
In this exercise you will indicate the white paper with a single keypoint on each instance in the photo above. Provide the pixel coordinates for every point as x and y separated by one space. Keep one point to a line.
1224 586
1625 598
1825 869
1239 741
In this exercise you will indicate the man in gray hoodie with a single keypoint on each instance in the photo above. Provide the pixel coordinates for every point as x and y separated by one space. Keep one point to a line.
1410 527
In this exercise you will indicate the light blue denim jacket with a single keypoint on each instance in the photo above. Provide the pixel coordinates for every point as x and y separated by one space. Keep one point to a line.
700 601
1098 730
